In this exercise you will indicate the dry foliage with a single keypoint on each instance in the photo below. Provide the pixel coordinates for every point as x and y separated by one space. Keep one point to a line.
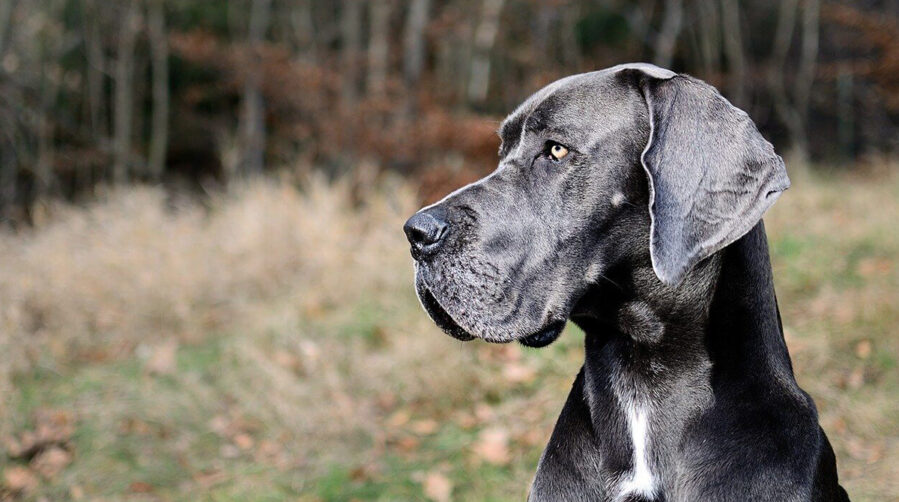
324 362
132 271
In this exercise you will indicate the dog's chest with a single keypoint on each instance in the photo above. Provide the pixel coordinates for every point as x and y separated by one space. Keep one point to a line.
631 475
640 481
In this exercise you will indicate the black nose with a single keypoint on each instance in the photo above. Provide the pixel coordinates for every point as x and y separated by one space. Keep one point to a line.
425 231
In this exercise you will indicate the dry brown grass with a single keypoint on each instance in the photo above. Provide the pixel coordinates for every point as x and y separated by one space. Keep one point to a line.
93 283
270 345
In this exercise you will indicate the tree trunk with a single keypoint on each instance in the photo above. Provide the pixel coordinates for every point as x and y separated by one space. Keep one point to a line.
303 24
484 39
378 47
783 38
350 50
124 93
6 9
159 54
414 52
95 69
733 49
845 111
8 179
794 112
414 41
667 38
9 164
708 25
808 61
253 110
571 49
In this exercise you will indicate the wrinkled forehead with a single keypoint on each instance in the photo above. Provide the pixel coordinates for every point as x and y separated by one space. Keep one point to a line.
580 107
562 108
547 108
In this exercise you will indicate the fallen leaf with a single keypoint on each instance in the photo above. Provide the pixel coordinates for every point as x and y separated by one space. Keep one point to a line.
362 473
867 451
76 492
510 352
207 479
14 446
493 446
483 412
136 426
503 353
52 428
838 425
19 479
516 372
856 448
856 378
229 451
532 437
408 444
286 360
51 461
399 418
243 441
875 453
163 360
424 427
863 349
386 400
310 350
269 449
218 424
465 420
437 487
871 267
140 487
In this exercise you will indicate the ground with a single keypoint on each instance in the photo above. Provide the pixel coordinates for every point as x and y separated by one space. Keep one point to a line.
268 346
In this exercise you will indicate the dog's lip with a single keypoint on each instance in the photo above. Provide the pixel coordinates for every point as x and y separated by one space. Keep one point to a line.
545 336
444 321
442 318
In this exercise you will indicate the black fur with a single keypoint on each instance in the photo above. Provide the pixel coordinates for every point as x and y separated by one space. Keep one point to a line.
648 235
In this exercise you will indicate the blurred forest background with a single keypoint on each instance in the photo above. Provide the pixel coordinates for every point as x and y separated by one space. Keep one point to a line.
205 292
94 91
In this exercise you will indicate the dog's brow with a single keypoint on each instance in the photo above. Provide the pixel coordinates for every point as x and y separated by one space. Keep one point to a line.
509 132
535 123
510 128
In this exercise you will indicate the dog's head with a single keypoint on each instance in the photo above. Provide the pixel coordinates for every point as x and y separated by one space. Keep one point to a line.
596 170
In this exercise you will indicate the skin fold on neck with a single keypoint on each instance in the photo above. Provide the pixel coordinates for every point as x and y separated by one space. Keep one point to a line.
659 357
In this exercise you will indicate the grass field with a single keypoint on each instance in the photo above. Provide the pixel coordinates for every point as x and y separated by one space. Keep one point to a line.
268 346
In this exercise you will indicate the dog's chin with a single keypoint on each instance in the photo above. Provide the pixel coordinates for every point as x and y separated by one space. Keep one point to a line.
444 321
440 316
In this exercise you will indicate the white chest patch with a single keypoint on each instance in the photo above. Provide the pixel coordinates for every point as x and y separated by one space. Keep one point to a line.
640 481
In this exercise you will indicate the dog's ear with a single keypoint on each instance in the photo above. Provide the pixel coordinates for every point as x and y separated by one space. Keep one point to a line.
711 173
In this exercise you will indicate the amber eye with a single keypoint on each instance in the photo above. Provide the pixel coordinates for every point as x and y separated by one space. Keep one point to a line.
557 151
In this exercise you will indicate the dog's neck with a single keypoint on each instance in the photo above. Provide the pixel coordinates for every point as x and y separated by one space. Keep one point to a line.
656 356
724 311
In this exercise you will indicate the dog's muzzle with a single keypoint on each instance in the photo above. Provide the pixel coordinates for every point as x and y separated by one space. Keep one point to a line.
440 316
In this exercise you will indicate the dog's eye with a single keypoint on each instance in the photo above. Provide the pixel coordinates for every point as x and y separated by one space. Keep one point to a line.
557 151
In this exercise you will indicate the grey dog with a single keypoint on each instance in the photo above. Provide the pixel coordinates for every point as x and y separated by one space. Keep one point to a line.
629 200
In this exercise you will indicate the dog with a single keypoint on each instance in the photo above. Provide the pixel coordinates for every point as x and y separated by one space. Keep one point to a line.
630 201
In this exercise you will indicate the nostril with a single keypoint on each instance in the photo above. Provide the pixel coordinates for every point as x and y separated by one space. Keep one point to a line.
425 231
419 236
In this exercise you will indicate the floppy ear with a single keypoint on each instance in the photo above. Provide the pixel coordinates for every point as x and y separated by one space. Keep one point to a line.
711 173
